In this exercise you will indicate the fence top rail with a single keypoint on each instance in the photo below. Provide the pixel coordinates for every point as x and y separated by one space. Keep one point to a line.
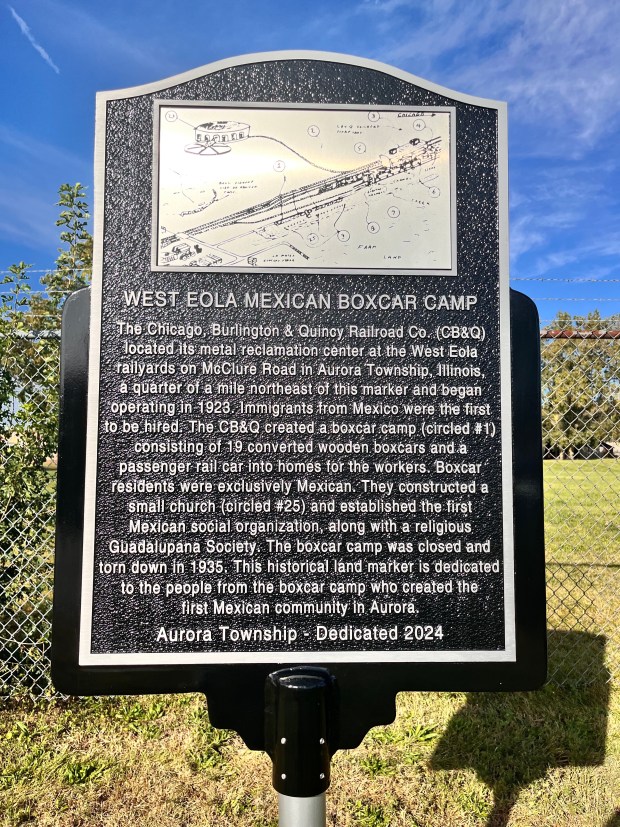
579 334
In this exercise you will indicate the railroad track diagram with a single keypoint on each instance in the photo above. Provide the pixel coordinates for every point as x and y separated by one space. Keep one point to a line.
288 189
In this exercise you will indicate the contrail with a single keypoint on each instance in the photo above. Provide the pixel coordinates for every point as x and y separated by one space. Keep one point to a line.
25 30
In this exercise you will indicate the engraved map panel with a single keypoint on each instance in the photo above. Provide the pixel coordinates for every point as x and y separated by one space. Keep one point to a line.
272 188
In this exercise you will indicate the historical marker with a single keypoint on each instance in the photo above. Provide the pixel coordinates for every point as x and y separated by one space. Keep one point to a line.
301 443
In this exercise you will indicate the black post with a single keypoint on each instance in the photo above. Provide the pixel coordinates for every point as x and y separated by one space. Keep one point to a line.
300 738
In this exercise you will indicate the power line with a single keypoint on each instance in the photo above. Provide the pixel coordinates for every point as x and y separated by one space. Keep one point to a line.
567 280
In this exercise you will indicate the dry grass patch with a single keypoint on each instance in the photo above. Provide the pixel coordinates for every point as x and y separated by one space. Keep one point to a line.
546 759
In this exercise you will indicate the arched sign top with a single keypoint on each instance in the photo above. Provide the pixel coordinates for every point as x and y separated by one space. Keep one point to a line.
299 55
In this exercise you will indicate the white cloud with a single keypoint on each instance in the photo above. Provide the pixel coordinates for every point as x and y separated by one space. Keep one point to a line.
585 254
32 170
557 62
383 6
25 30
28 219
106 43
36 151
524 237
607 246
565 202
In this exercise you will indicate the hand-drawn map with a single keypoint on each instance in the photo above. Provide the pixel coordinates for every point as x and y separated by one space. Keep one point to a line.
282 188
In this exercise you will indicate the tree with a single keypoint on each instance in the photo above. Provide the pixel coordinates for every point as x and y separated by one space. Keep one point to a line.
29 369
580 387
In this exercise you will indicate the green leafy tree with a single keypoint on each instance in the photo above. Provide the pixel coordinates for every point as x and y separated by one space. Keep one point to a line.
29 368
580 390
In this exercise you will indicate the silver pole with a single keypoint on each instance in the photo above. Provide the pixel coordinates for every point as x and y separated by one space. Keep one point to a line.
301 812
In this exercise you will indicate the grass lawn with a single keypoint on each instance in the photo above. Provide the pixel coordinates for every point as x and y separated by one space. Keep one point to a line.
582 522
544 759
582 535
541 759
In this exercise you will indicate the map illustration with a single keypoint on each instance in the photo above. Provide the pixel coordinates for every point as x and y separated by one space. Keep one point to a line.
278 188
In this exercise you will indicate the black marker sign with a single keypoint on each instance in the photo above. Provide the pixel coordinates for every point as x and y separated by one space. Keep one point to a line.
300 438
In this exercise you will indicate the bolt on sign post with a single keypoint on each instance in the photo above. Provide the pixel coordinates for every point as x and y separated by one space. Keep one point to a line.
300 464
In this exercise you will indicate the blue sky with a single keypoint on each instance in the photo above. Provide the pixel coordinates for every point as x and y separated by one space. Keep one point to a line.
556 62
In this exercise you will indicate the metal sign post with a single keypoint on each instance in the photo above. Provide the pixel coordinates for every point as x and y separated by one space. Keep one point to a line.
298 730
301 812
299 458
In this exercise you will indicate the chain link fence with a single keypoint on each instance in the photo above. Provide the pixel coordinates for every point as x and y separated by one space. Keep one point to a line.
581 447
581 424
29 369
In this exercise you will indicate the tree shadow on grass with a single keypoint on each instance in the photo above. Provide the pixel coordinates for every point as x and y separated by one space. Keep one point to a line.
512 740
